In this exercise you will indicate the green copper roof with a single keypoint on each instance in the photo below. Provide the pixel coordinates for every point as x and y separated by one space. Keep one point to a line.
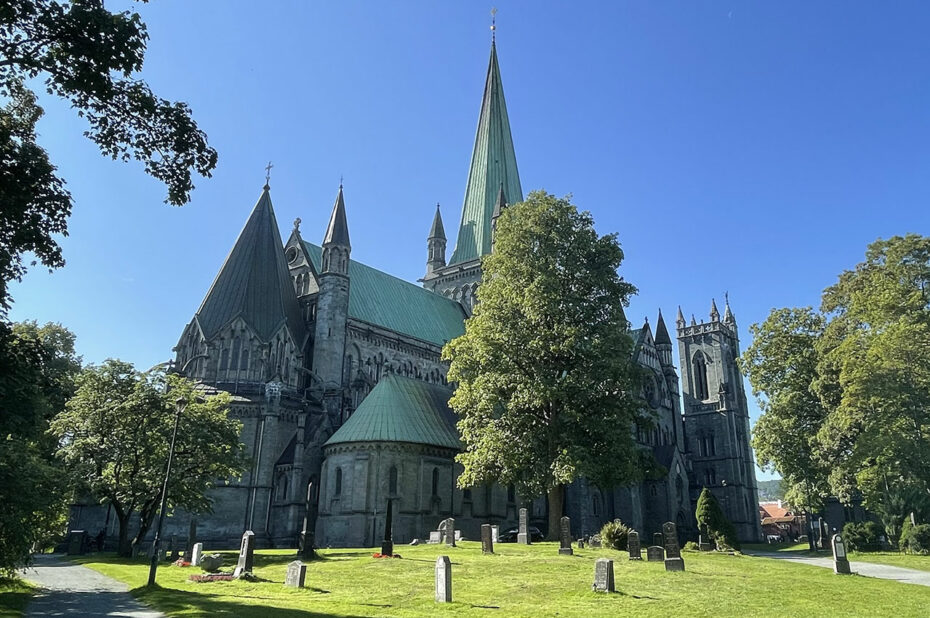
401 409
493 164
386 301
254 282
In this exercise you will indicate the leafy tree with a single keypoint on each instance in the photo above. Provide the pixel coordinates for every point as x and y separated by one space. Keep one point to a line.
710 518
90 57
37 369
547 390
115 435
781 364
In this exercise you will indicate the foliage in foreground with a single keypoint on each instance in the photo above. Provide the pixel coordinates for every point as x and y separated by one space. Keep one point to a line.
712 520
845 391
547 388
863 536
615 534
115 436
89 56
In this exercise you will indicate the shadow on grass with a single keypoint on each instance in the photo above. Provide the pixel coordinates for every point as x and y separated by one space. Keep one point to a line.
171 600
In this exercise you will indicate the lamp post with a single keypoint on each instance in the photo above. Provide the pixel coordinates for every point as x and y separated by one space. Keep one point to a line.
179 405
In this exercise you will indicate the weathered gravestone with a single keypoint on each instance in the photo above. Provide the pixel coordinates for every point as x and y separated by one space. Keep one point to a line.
840 561
211 563
633 546
197 554
191 539
443 580
523 536
435 537
246 554
76 542
703 545
603 575
296 574
487 540
658 538
447 532
580 543
495 533
387 544
673 559
654 553
565 536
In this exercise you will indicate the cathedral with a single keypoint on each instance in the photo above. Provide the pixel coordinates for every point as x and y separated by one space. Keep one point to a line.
335 372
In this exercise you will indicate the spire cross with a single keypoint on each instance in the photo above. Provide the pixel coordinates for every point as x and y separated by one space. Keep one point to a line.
493 23
268 172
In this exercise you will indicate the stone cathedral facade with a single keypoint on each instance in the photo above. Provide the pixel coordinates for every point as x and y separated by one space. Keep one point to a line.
335 371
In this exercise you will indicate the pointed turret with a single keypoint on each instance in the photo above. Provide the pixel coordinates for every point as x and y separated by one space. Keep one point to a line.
662 337
336 245
254 283
680 322
693 321
436 245
714 314
727 314
493 166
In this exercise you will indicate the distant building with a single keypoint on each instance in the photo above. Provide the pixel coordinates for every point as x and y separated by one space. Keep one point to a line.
779 520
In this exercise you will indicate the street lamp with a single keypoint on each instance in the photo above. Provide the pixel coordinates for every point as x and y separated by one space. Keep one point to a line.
179 405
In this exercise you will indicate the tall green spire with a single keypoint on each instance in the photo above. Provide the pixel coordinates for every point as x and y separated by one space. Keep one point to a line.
493 168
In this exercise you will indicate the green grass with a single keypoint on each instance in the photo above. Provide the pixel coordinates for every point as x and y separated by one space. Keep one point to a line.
14 595
779 547
520 581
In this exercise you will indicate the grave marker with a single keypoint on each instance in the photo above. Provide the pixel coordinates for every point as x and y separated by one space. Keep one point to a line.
523 536
296 574
495 533
565 536
840 561
246 554
443 580
673 559
654 553
658 538
633 546
197 554
487 539
447 531
76 542
603 575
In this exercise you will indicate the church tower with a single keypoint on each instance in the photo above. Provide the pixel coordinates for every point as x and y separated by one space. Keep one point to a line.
332 310
436 245
716 418
492 180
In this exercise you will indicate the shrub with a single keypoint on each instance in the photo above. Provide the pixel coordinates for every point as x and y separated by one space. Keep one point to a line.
906 528
614 534
864 536
919 539
691 546
710 517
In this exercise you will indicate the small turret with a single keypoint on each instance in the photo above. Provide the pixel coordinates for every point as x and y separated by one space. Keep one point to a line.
680 322
336 245
714 314
436 245
728 318
663 341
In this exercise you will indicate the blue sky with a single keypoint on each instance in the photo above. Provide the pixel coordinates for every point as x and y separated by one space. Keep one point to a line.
755 148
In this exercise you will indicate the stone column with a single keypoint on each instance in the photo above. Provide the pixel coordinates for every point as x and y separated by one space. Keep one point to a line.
443 580
523 536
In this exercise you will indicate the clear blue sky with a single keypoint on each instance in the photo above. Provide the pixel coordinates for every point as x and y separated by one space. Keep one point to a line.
755 148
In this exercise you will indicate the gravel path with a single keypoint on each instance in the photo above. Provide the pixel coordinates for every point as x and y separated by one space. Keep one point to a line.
868 569
73 590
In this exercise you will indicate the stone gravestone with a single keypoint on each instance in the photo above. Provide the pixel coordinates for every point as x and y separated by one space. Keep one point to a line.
197 554
654 553
76 542
523 535
191 539
387 544
633 546
443 580
435 537
296 574
495 534
658 538
840 561
447 532
603 575
704 545
487 539
673 559
246 554
211 563
565 536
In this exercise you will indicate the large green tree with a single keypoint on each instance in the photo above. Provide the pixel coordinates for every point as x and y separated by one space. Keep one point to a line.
546 388
91 57
866 357
37 369
115 435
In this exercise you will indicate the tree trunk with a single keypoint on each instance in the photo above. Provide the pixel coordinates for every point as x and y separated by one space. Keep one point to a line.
556 500
125 544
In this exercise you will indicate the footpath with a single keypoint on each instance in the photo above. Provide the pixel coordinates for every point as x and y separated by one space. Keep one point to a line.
867 569
72 590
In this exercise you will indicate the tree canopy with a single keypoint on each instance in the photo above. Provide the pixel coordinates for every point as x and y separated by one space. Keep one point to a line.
856 413
89 56
115 435
547 389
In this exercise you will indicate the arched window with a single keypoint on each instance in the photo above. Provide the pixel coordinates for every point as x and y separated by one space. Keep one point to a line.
392 480
236 348
338 490
710 477
282 488
699 371
596 505
654 491
244 359
224 359
435 481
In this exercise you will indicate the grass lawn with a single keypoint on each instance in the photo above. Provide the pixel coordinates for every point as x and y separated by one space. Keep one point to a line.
14 595
520 581
893 558
779 547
